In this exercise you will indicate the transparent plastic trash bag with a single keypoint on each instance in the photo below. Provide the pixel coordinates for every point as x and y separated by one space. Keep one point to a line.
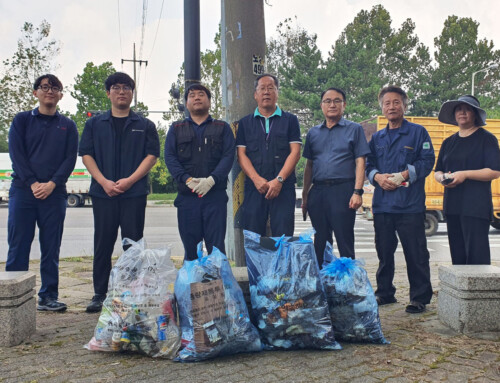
351 300
139 311
289 306
213 314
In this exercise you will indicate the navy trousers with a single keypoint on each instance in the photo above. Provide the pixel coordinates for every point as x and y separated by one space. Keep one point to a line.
280 210
25 211
411 231
468 238
128 214
202 219
328 208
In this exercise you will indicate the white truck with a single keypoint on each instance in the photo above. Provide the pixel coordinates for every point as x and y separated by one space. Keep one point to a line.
78 183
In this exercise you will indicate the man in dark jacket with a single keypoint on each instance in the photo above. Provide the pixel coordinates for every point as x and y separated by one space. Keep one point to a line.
43 146
199 153
401 156
268 144
119 148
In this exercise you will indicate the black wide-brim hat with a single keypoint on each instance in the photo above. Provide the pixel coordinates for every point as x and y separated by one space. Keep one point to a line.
447 112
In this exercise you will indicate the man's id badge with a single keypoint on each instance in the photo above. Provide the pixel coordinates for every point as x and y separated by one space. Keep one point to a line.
426 145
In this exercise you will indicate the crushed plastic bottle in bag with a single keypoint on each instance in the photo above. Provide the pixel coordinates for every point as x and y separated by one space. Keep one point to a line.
139 313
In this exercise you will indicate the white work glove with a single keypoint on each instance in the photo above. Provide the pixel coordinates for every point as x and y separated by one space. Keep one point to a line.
204 186
397 178
192 182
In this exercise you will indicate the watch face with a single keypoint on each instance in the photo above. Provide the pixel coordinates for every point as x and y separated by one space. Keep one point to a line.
280 179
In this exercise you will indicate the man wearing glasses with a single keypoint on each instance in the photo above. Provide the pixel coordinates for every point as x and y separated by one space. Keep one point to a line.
199 153
335 167
43 146
119 148
268 146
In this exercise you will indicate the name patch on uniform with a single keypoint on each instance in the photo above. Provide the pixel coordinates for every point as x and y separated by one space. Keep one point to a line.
426 145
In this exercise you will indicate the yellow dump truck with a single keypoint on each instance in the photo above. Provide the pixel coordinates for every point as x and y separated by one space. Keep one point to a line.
434 191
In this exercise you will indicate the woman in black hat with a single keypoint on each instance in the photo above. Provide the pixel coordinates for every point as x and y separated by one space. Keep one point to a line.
467 163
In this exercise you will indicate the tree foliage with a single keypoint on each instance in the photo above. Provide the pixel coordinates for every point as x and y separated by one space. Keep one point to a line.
458 54
89 91
295 58
34 57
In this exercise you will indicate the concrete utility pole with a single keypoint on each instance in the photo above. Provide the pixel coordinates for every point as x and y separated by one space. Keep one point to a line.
136 85
243 43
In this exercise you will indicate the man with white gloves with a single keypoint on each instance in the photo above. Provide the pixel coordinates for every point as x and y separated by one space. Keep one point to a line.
401 152
199 154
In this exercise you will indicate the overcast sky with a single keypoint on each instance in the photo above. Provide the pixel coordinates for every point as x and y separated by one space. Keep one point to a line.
104 30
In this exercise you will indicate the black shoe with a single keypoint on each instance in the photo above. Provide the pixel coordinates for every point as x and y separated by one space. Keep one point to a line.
415 307
50 304
385 301
95 305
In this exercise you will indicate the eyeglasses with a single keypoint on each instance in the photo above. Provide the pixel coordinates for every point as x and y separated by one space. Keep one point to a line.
125 88
45 88
269 89
328 101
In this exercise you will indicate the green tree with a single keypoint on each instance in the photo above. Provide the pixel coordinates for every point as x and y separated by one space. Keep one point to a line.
35 56
295 58
89 91
406 62
210 73
458 53
354 65
370 54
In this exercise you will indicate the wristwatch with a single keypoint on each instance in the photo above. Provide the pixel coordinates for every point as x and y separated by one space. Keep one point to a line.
359 191
280 179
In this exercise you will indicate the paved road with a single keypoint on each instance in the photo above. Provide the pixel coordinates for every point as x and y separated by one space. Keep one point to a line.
161 229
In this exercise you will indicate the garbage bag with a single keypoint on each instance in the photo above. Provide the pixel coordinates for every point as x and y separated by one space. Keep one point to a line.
139 312
289 306
213 314
352 302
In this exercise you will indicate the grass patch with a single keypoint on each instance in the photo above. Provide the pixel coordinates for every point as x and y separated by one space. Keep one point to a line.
75 259
162 196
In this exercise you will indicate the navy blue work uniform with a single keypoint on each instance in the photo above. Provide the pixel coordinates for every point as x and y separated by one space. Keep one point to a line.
267 145
200 151
402 210
42 148
468 206
333 153
118 146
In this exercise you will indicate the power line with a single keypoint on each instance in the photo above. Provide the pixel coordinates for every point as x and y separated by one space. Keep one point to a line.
157 28
143 29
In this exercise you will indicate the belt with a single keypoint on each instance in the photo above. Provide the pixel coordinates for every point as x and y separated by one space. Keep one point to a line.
335 181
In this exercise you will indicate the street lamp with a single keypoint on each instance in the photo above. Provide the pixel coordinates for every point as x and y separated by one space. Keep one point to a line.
491 66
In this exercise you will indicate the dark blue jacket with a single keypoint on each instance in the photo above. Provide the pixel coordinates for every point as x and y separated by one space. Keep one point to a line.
203 150
268 153
411 149
138 140
42 148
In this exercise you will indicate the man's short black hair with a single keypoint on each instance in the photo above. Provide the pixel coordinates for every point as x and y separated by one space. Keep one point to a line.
275 79
338 90
197 87
53 81
393 89
119 78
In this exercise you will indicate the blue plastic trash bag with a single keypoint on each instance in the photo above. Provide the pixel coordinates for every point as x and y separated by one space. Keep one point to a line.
289 306
139 312
213 314
351 300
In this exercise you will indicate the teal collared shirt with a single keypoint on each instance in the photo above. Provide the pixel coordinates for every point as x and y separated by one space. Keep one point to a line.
277 112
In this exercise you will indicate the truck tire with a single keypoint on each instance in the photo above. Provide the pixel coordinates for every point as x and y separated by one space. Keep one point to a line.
73 200
431 224
495 224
